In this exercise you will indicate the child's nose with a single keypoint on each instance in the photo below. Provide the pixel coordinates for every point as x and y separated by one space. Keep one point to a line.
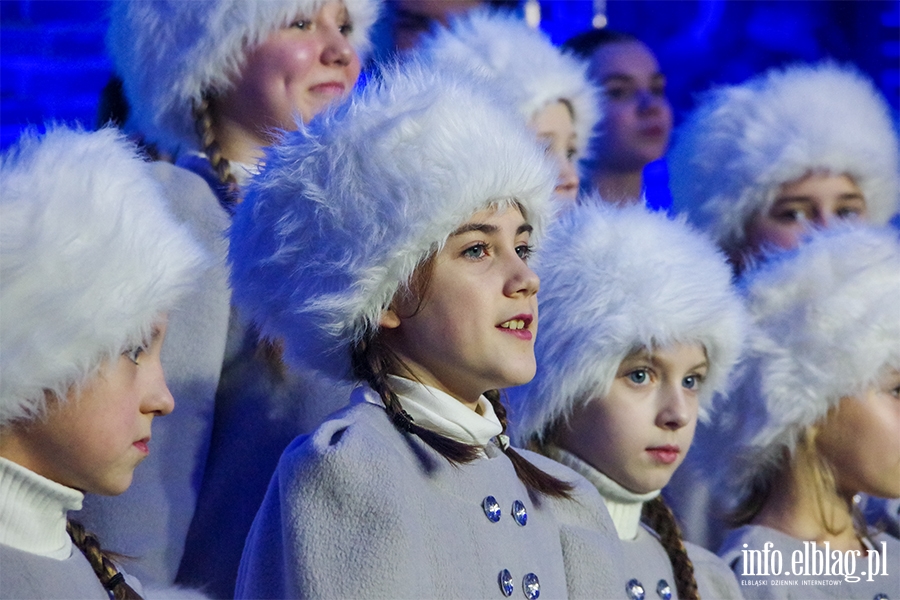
157 397
674 411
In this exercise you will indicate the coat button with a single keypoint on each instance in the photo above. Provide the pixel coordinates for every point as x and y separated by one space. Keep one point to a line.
506 583
531 586
635 590
663 590
491 508
881 597
519 513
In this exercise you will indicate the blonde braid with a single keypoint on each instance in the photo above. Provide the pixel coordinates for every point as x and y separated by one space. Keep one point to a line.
218 162
106 571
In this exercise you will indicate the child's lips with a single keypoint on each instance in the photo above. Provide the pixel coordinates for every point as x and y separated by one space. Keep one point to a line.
666 455
518 326
143 445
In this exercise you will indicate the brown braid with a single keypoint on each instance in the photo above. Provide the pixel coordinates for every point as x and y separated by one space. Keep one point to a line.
373 361
530 475
660 519
220 165
101 562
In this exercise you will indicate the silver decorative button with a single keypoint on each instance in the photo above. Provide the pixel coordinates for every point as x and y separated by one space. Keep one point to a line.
531 586
506 583
663 590
519 513
491 508
635 589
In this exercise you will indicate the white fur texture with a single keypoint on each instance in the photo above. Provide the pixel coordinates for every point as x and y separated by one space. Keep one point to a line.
826 325
346 208
170 52
521 61
744 141
89 259
613 280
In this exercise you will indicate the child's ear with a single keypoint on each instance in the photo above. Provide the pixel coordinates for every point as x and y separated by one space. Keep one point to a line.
389 319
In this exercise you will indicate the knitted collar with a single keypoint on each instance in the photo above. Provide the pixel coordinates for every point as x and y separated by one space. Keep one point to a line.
33 511
442 413
624 505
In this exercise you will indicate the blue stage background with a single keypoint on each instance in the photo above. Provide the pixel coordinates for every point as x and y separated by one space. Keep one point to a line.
53 66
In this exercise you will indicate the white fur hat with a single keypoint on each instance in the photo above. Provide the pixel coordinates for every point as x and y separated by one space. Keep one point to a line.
614 280
826 324
348 206
170 52
522 61
89 259
744 141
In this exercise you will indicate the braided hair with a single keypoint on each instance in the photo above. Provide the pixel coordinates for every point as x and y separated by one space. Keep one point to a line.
112 579
658 517
228 185
372 361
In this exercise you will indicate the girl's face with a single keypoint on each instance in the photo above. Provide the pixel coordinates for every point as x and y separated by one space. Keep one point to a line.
860 439
640 432
556 130
474 329
817 200
298 70
94 440
637 121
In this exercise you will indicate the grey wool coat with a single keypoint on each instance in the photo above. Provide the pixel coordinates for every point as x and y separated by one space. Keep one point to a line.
358 509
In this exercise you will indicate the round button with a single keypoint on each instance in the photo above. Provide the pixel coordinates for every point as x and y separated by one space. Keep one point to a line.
506 583
635 590
491 508
531 586
663 590
519 513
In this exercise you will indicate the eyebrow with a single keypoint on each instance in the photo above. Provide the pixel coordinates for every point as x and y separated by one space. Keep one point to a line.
652 359
489 229
625 78
802 198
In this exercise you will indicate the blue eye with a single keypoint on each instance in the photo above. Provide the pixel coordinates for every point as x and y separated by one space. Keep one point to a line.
525 251
639 376
476 251
692 382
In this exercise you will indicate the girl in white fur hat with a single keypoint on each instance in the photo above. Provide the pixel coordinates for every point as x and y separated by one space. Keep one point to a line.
549 88
759 163
813 419
217 79
387 243
639 326
212 82
90 262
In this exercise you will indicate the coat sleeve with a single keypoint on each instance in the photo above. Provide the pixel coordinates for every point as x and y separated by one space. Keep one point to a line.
340 520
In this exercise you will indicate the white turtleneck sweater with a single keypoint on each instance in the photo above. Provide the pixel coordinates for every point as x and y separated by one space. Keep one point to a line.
624 505
33 511
442 413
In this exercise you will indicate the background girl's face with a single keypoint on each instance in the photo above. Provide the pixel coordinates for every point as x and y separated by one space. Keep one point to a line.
817 200
640 432
474 330
300 69
95 438
860 439
555 129
637 121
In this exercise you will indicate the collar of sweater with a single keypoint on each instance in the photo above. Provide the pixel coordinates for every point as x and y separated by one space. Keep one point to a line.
33 511
442 413
624 505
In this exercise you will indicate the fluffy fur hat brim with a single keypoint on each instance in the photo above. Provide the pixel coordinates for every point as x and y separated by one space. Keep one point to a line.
347 207
170 52
614 280
522 61
89 260
744 141
826 326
